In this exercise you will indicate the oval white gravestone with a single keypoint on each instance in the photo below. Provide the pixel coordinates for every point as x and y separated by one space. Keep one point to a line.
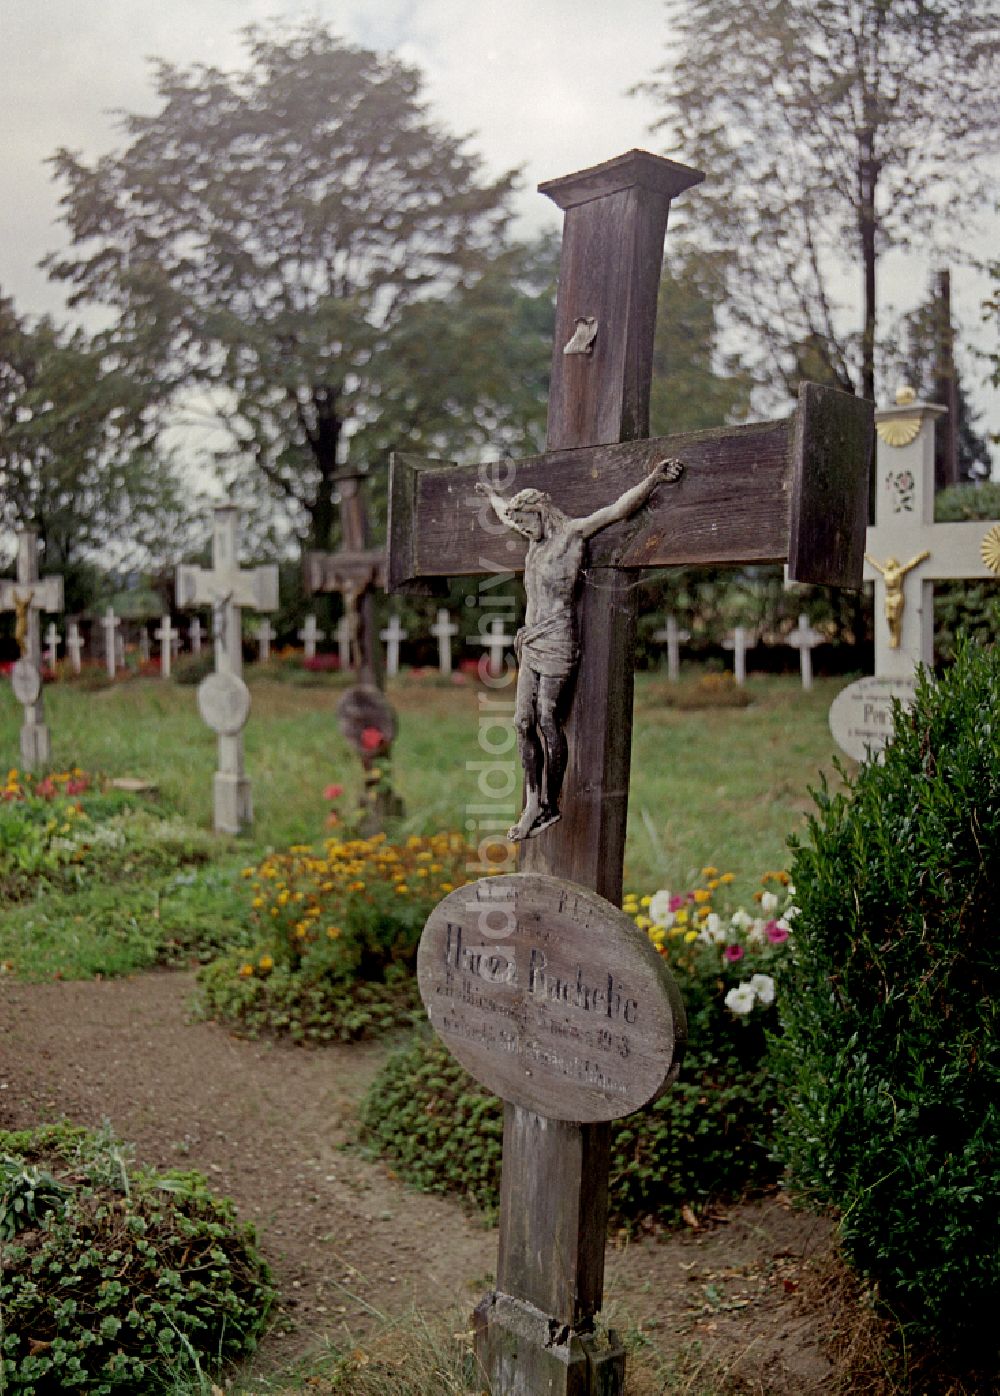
224 703
861 714
26 682
551 997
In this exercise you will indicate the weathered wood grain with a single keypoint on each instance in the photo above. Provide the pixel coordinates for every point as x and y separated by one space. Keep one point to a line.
551 997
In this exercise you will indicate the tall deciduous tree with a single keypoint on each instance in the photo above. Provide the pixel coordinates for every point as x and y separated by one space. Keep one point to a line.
78 456
266 234
833 131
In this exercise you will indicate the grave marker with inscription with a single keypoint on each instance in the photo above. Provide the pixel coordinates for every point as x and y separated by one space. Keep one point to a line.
789 489
223 697
27 597
861 715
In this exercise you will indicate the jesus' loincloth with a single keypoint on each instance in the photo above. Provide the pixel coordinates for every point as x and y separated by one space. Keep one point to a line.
549 646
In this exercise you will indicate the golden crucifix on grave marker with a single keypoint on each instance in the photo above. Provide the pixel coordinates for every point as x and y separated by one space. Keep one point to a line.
893 573
22 605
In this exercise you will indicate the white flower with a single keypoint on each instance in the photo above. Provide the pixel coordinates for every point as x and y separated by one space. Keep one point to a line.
763 987
740 1000
659 908
714 931
756 935
741 919
789 914
790 889
783 925
768 903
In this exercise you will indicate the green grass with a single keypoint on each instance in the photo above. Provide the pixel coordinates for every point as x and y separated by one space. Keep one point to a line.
715 786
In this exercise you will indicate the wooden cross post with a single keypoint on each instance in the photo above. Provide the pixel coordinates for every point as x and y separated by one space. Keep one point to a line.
223 697
905 550
27 598
443 630
794 489
356 572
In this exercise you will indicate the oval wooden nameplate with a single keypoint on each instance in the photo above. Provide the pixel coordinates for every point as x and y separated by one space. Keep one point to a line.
551 997
26 682
224 703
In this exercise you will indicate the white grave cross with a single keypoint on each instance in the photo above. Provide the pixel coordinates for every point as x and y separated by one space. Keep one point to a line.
52 642
264 637
165 634
443 629
74 645
804 638
905 550
739 642
223 697
27 597
110 623
674 637
194 635
392 635
496 642
309 635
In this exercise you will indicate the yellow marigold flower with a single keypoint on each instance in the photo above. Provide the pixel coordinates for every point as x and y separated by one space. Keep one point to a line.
447 887
682 916
643 922
401 887
246 971
257 903
675 931
689 936
265 963
645 901
702 896
333 932
247 872
713 884
710 872
357 886
704 912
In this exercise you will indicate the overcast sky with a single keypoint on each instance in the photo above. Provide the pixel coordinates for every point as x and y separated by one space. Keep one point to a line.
541 84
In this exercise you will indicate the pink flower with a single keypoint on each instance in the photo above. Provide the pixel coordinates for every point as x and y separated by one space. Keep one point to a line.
776 934
371 739
732 953
333 792
676 902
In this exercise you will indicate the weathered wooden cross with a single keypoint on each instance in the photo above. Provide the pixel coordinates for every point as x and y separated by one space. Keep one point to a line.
27 597
905 550
443 630
356 572
792 489
223 697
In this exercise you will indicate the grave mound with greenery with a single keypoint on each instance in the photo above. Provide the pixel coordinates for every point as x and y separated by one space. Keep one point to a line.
116 1278
890 1059
336 928
706 1139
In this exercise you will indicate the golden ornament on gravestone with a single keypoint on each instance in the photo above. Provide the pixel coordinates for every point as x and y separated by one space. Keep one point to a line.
900 431
990 549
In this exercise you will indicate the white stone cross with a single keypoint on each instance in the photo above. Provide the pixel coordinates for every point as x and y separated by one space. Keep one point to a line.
194 634
27 598
166 635
741 640
673 637
52 642
264 637
905 550
227 589
74 645
443 629
143 643
111 622
804 638
345 638
309 635
392 635
496 641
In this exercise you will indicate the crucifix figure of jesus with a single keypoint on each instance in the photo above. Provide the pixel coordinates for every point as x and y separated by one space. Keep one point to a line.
546 645
27 598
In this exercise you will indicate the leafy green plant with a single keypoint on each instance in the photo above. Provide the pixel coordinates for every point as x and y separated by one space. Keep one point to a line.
890 1060
123 1279
967 607
26 1195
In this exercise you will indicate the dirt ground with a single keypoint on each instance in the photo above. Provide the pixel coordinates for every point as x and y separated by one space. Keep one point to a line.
269 1123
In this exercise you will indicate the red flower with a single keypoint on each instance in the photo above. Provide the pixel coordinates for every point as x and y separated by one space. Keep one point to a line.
333 792
733 953
371 739
776 934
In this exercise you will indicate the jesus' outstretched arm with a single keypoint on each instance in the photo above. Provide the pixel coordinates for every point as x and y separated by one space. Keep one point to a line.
665 472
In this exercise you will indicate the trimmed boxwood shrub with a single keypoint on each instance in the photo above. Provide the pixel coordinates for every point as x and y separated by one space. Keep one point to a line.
889 1060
